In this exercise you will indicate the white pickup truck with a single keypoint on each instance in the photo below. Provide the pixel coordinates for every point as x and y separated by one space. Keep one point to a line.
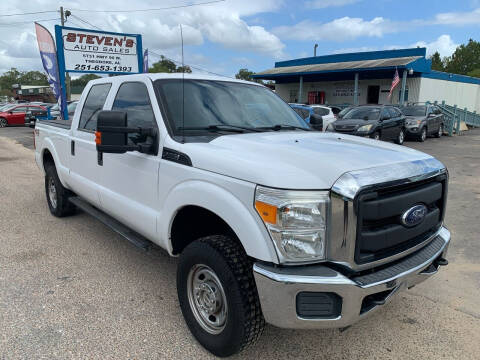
272 222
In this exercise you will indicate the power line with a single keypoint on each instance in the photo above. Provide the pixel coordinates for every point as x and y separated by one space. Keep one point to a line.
30 13
191 66
85 21
26 22
155 9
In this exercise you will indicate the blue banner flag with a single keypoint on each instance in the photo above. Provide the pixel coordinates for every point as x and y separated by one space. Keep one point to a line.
145 61
46 45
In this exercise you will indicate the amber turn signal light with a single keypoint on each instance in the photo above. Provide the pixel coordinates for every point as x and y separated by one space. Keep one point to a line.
267 212
98 138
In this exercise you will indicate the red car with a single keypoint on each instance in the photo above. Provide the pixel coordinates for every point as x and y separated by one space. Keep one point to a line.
14 114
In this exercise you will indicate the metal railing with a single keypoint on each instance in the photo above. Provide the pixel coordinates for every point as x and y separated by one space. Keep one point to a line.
453 116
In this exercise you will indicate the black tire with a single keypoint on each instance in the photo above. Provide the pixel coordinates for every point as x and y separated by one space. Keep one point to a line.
376 135
423 135
401 137
3 122
439 133
244 320
61 207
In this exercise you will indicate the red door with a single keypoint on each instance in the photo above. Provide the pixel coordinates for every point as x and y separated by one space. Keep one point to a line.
17 116
313 97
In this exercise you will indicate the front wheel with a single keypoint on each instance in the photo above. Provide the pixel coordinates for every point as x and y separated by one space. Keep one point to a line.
376 135
218 296
423 135
401 137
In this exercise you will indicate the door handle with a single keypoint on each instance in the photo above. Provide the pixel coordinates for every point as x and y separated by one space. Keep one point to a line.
72 148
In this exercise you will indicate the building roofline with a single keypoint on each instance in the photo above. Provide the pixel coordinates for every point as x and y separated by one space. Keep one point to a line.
356 56
440 75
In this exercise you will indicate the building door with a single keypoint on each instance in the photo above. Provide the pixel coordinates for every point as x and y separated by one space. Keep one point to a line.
373 91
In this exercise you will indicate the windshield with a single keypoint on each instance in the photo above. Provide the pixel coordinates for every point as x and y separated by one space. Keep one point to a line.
414 110
343 112
7 107
365 113
208 103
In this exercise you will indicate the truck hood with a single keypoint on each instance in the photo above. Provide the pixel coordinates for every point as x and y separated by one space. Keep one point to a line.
295 159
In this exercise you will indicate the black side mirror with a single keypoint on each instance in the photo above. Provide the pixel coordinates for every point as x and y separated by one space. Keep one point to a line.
112 133
316 122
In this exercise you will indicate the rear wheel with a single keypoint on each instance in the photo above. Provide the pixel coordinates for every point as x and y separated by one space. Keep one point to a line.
3 122
57 195
218 295
440 131
401 137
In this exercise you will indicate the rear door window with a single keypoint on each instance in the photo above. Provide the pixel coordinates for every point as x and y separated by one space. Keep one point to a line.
93 105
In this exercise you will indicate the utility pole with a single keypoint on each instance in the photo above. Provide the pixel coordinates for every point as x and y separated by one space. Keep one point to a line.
63 16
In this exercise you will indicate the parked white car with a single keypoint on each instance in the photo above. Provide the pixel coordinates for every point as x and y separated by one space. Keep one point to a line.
326 113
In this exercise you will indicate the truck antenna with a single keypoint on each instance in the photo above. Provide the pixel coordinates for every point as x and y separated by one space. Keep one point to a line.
183 90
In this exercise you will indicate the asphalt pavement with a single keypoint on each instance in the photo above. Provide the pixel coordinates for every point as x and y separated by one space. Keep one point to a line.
73 289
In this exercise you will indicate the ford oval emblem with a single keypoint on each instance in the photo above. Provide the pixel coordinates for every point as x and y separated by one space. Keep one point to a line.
414 215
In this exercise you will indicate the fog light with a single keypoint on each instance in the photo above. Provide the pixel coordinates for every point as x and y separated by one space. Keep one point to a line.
318 305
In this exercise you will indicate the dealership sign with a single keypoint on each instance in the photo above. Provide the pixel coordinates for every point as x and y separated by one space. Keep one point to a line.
90 51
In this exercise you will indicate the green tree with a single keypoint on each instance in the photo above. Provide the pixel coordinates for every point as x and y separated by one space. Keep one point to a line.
465 59
33 78
165 65
437 63
244 74
9 78
474 73
83 80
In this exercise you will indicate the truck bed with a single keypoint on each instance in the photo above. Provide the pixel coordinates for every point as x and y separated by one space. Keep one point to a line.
64 124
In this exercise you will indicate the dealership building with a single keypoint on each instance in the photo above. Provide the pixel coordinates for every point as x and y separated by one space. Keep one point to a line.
366 77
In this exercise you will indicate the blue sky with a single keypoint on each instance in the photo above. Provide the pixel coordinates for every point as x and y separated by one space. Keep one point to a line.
225 36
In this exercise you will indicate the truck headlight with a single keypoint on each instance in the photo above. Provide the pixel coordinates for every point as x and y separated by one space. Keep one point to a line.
365 128
296 221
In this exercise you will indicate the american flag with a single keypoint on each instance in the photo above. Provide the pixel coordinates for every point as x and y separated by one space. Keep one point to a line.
395 82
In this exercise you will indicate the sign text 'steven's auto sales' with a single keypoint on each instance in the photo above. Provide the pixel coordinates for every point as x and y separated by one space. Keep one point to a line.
95 51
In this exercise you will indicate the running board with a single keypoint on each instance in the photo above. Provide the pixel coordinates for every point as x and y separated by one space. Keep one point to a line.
132 236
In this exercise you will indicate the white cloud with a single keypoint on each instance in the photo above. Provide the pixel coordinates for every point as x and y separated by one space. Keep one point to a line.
221 23
443 44
320 4
458 18
341 29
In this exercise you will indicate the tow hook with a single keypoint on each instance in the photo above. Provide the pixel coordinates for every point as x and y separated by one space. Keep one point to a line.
441 262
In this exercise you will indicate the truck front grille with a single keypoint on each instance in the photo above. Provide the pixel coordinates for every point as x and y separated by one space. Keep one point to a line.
380 232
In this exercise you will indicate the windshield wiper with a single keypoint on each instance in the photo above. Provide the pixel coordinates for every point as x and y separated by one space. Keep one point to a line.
220 127
279 127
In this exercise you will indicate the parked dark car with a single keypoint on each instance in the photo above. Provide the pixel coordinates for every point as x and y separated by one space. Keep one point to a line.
343 112
380 122
422 121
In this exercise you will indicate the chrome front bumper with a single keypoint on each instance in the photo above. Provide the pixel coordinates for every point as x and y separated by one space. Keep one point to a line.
278 287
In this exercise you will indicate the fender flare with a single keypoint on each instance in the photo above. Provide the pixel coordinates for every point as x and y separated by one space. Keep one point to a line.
62 171
249 228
